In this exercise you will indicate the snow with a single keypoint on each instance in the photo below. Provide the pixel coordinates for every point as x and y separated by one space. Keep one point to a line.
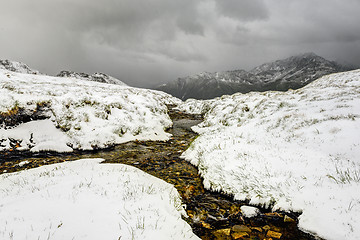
87 200
16 67
44 133
97 77
80 114
23 163
195 106
294 151
249 211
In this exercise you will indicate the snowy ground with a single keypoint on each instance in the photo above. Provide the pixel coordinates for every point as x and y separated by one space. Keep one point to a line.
296 150
87 200
79 114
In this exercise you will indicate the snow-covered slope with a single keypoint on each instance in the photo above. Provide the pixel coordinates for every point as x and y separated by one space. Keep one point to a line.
62 114
296 150
97 77
281 75
16 67
87 200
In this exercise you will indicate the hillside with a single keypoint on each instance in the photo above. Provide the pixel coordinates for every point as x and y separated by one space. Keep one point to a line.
39 112
96 77
294 151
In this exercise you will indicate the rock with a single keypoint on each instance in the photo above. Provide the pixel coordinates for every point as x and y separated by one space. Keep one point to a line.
258 229
266 227
222 232
239 235
206 225
288 219
272 234
240 228
274 214
234 209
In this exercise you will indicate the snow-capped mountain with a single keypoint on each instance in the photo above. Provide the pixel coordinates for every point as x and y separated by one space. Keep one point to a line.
281 75
295 72
18 67
96 77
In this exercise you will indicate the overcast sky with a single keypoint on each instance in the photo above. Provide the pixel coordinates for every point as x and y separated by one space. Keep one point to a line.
147 42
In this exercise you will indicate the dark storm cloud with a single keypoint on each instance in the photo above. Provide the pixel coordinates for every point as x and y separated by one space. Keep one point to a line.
245 10
146 42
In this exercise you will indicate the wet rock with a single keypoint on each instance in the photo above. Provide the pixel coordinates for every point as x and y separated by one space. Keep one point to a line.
266 227
272 234
257 229
222 233
239 235
206 225
274 214
241 228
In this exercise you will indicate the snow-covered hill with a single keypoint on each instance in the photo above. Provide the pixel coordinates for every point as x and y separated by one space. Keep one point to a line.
16 67
96 77
281 75
62 114
296 150
87 200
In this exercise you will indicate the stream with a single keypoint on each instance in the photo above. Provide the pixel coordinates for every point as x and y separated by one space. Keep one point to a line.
212 215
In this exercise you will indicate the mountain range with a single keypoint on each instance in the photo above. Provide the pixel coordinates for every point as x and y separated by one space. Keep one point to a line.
20 67
290 73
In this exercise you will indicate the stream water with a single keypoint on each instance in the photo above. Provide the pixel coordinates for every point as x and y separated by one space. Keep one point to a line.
212 215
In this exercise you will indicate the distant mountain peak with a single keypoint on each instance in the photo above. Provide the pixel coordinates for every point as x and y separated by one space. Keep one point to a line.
17 67
97 77
293 72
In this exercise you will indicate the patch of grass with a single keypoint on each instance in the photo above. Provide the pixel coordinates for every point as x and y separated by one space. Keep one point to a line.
346 176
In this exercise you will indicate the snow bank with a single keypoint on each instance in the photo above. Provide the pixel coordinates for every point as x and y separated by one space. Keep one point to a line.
296 150
81 114
195 106
87 200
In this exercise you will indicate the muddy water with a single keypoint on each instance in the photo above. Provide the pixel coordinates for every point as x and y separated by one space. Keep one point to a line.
211 215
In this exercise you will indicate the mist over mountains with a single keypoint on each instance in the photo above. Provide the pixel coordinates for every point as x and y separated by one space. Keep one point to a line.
290 73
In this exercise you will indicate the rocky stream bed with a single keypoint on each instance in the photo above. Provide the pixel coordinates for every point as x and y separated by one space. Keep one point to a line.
212 215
